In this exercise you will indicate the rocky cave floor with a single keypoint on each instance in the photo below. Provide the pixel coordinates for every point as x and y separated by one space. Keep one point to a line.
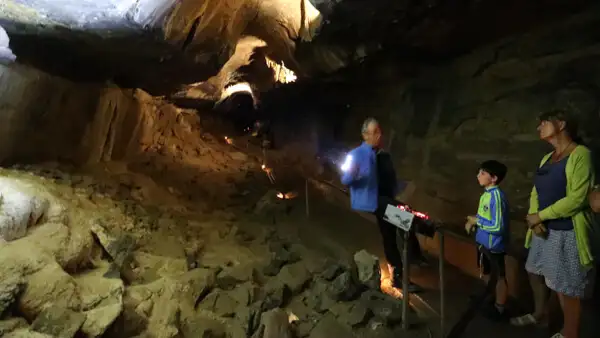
180 242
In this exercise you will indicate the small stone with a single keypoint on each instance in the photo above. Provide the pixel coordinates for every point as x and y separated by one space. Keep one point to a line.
119 248
280 256
385 308
248 317
376 328
276 323
303 328
331 271
357 316
277 296
58 322
219 303
328 327
343 288
369 273
12 324
26 333
295 276
99 319
318 298
244 294
228 278
200 326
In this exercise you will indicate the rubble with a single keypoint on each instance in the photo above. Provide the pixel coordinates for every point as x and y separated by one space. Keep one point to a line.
103 264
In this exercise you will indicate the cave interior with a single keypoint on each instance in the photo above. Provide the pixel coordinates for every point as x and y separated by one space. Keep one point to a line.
169 168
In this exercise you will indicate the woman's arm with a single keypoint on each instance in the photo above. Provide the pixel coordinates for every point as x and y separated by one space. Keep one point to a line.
533 201
577 190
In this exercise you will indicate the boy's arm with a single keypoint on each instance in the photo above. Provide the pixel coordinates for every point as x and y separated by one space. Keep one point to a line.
494 225
577 191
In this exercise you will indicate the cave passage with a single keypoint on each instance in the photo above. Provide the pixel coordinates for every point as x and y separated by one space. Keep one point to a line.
172 168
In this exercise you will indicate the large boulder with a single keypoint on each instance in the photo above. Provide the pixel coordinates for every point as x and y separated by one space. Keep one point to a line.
163 304
368 269
49 286
58 322
21 205
6 54
101 300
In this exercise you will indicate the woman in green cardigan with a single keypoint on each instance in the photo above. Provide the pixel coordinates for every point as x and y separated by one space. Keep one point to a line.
560 224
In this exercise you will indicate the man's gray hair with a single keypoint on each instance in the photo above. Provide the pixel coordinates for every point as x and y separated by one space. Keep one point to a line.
367 123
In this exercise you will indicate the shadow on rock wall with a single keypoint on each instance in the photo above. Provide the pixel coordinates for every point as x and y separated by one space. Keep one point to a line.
441 124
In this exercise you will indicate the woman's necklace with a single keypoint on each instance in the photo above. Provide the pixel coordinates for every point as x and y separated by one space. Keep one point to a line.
558 156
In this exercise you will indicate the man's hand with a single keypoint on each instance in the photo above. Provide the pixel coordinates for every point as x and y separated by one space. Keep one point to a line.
533 220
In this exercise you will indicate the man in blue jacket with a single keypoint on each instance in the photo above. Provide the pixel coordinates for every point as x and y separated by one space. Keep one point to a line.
360 174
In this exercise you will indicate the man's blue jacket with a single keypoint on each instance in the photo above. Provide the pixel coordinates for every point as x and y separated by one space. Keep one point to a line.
361 178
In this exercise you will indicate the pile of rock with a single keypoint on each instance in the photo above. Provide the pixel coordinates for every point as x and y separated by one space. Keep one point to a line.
70 273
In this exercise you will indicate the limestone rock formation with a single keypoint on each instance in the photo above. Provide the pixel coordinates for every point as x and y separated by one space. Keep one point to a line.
6 54
252 41
20 207
100 260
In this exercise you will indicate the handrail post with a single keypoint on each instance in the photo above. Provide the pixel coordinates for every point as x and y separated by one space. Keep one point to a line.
306 198
459 328
442 285
405 281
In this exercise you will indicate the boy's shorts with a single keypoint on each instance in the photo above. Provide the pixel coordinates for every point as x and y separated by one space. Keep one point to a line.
485 264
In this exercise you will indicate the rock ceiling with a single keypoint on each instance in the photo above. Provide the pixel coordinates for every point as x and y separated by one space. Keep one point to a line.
203 47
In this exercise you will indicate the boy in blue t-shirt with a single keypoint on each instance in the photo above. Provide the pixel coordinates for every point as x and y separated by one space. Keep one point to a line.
491 226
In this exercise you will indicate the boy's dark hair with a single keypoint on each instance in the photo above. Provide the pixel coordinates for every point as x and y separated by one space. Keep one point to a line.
562 115
495 168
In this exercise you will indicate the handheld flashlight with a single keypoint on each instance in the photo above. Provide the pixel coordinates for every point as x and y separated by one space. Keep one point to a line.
347 163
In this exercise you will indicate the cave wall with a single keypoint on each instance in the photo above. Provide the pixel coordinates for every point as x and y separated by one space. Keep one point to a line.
443 122
484 106
47 118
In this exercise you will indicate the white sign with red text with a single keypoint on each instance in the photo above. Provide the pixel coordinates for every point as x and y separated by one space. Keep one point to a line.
399 217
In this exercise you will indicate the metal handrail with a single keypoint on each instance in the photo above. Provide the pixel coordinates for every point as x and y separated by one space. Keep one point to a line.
461 325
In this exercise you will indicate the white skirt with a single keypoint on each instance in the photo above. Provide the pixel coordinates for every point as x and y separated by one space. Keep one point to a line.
556 258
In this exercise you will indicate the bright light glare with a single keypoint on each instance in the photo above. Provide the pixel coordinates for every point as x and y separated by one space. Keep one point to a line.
347 163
